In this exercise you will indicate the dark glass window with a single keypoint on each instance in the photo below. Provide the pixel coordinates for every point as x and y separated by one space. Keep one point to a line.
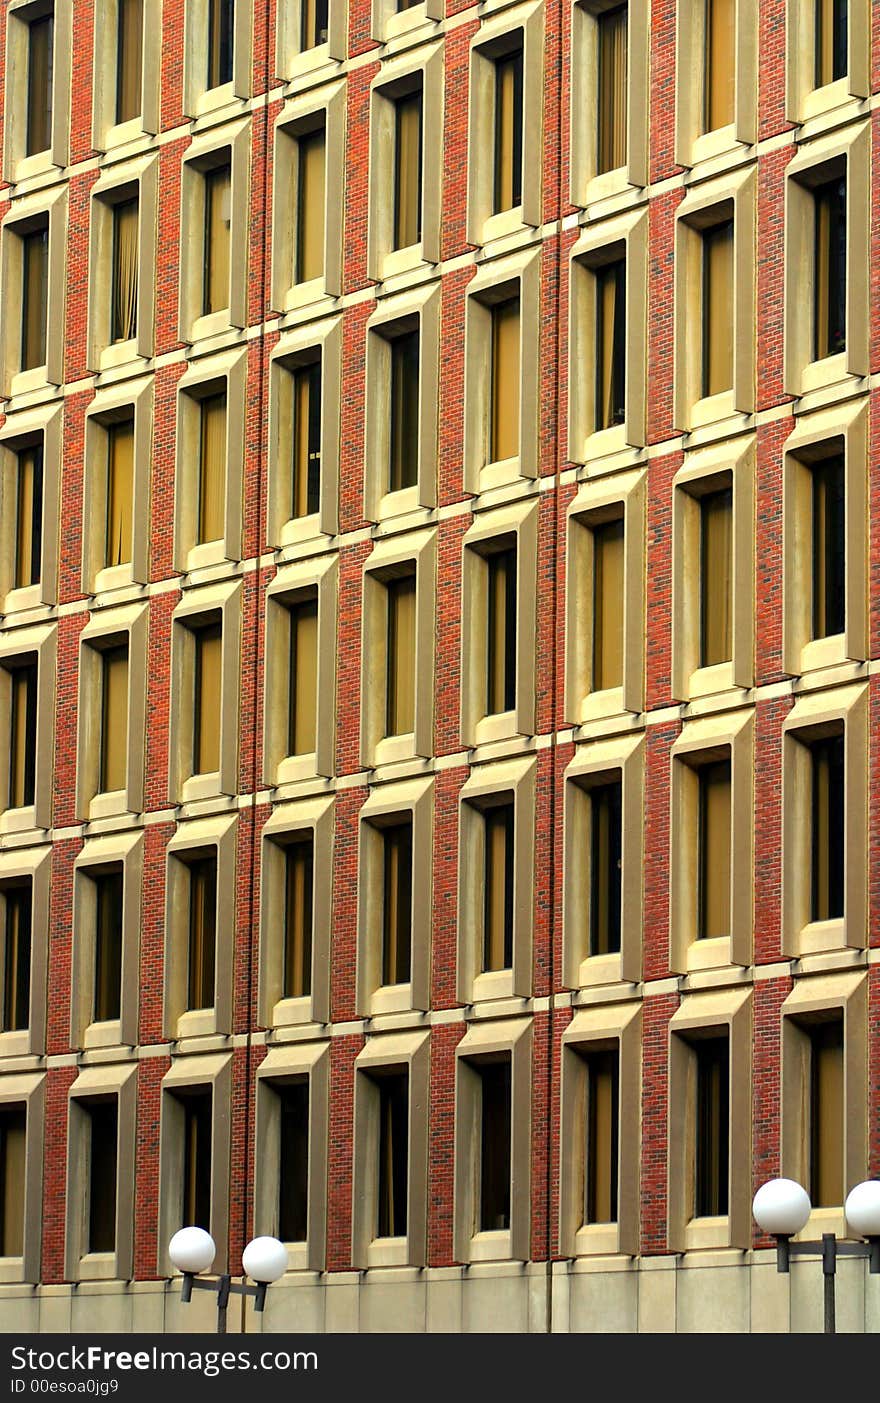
293 1176
712 1127
508 130
828 827
603 1134
829 547
17 958
103 1136
393 1154
495 1124
108 944
606 831
829 273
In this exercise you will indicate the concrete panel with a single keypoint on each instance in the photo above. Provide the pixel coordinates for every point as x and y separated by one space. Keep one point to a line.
539 1292
55 1310
19 1315
392 1307
769 1308
495 1304
148 1307
342 1307
100 1312
443 1303
657 1299
293 1306
200 1316
604 1303
712 1300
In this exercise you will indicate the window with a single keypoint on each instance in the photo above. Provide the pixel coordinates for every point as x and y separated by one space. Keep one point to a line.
493 1202
212 468
202 931
314 23
826 1110
404 437
207 679
829 546
41 33
16 966
306 440
602 1130
508 130
22 733
293 1177
302 737
718 339
610 344
218 223
309 207
129 58
400 655
716 581
299 876
612 115
28 516
828 794
221 32
114 719
125 271
397 896
108 890
831 41
829 269
196 1196
393 1148
408 169
103 1138
713 901
34 295
13 1131
606 836
504 409
712 1139
501 631
498 858
608 601
719 73
120 492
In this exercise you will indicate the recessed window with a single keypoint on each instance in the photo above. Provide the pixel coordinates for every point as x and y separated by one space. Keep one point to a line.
306 474
508 130
719 73
829 270
16 967
120 492
35 294
113 766
712 1129
610 343
212 467
129 58
828 827
829 546
608 597
202 931
716 544
303 677
393 1150
13 1132
293 1177
218 223
826 1132
504 408
718 308
22 733
299 876
125 271
498 835
404 438
602 1128
713 897
493 1203
397 895
108 887
196 1194
103 1135
309 208
221 33
408 169
28 516
41 34
208 675
831 41
400 653
612 54
501 631
606 834
314 23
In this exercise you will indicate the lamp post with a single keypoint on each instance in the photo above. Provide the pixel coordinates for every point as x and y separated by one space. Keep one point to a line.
192 1251
781 1208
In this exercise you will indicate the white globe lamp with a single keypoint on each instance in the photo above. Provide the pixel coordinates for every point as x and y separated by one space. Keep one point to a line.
192 1250
265 1259
781 1207
862 1208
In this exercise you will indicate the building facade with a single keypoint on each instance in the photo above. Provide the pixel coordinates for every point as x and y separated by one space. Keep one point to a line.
438 656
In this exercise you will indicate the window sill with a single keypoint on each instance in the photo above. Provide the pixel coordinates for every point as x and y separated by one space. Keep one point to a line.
26 381
119 353
113 577
388 1252
107 1034
15 1043
608 702
291 1012
295 767
606 186
393 748
600 969
493 984
819 936
400 503
500 726
308 61
124 133
824 652
707 1232
11 1269
18 600
705 681
822 1220
207 553
206 786
503 224
97 1266
597 1239
499 474
18 820
491 1246
400 25
391 998
210 324
710 145
820 374
711 953
401 260
603 442
41 163
300 528
304 294
212 100
711 409
825 99
109 805
196 1023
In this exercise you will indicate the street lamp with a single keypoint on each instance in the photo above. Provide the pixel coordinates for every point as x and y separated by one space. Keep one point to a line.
192 1251
781 1208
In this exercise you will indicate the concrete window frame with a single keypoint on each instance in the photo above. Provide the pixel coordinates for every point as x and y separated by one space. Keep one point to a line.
598 244
692 145
131 179
293 61
595 763
382 1053
220 146
21 431
316 341
120 1082
391 557
107 133
420 67
595 503
586 186
105 629
228 374
13 645
802 449
698 1016
95 856
387 23
298 117
516 525
22 218
293 583
292 1062
813 716
287 822
197 99
28 1089
417 310
707 204
489 43
217 836
385 805
846 151
16 165
211 1072
109 406
495 282
711 470
845 994
196 608
615 1027
481 791
33 865
490 1041
709 738
803 99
